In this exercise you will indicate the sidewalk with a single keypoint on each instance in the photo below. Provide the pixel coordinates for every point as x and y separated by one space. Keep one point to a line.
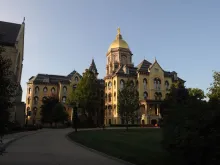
9 138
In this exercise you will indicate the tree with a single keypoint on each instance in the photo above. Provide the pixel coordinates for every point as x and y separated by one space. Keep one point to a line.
128 102
214 90
86 94
59 114
190 127
7 90
197 93
47 109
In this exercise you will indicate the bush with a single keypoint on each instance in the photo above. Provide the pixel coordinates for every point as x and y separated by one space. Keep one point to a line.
132 125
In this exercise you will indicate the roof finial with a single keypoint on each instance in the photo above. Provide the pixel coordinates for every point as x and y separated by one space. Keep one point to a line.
119 31
155 60
23 20
144 57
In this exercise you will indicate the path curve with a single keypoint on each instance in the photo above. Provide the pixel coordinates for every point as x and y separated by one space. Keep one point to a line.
51 148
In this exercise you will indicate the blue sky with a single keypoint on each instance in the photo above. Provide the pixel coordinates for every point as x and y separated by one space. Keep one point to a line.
65 35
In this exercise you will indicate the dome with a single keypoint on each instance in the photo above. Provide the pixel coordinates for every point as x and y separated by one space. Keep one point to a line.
118 42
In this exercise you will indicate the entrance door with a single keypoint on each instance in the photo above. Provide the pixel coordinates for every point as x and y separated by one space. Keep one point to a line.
142 122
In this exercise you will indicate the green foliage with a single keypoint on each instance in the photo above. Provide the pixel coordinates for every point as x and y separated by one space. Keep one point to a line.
214 90
7 90
128 102
59 114
85 93
197 93
190 127
52 111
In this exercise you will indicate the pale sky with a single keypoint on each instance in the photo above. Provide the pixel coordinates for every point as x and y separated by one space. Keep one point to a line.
61 36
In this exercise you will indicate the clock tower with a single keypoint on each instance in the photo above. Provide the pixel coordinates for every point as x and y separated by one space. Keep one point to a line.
93 68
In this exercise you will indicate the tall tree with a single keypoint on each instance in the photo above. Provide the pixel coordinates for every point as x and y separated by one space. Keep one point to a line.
86 94
128 102
196 93
59 114
7 90
214 90
47 109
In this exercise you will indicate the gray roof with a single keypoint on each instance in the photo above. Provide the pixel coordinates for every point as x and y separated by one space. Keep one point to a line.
8 33
51 79
143 66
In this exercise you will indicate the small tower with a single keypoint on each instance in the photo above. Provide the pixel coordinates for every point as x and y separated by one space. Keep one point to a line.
93 68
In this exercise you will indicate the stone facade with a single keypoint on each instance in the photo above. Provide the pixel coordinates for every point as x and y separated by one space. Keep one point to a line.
12 39
152 83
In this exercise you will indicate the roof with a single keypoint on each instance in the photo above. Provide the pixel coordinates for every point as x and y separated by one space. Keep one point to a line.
8 33
72 73
51 79
93 67
143 66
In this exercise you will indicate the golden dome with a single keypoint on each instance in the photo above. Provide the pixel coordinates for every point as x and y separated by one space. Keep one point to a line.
118 42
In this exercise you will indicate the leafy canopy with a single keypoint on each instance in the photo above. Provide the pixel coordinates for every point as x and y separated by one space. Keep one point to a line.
7 89
128 101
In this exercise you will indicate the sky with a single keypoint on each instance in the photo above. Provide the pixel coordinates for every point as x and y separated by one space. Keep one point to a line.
60 36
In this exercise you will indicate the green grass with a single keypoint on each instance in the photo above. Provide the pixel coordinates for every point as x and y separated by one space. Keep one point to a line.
139 146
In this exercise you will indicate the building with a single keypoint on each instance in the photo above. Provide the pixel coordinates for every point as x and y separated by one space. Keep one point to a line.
12 39
151 80
44 85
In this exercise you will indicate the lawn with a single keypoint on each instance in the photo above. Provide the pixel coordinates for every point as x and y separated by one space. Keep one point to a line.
139 146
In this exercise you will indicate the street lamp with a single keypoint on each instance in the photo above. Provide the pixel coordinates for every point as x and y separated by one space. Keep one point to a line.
75 115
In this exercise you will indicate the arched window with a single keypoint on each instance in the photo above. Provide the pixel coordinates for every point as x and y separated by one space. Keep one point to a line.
106 97
35 100
29 100
64 99
145 83
35 111
64 89
110 110
109 97
53 90
109 85
28 111
114 95
145 95
36 90
45 89
167 85
76 79
122 84
158 95
44 98
29 91
114 84
167 95
157 84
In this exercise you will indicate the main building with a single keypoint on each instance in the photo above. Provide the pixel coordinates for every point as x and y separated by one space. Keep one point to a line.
152 82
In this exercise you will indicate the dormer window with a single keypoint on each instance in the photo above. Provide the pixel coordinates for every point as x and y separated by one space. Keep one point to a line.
175 76
76 79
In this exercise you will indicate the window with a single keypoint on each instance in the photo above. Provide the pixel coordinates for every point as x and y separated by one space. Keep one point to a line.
114 84
44 98
35 111
76 79
29 100
132 83
157 84
45 89
167 85
109 97
106 97
109 112
109 85
64 89
114 95
64 99
28 111
53 90
145 95
29 91
36 90
145 84
121 84
35 100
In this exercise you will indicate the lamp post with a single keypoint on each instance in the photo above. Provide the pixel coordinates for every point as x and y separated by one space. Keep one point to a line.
75 115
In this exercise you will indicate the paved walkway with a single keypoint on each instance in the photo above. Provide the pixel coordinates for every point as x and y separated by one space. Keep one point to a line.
51 147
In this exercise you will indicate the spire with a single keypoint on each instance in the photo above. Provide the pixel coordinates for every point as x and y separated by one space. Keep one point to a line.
155 60
23 20
93 67
119 36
